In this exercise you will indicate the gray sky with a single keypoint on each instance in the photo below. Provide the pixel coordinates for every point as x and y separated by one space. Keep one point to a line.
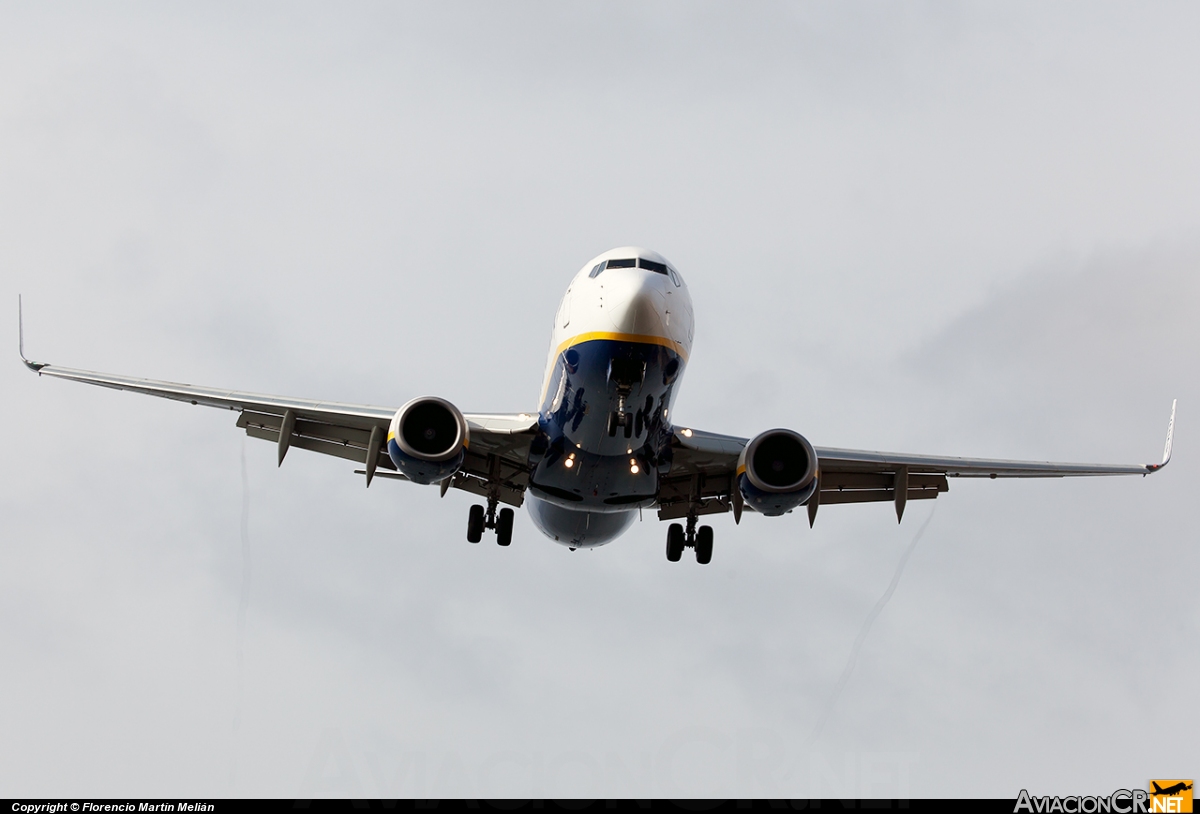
937 228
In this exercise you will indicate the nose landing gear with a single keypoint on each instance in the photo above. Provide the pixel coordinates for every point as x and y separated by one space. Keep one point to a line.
701 539
620 419
478 520
635 423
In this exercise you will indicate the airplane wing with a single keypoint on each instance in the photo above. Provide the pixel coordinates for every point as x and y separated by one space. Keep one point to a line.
496 457
704 464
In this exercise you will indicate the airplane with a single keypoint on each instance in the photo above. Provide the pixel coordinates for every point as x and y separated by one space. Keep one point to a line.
1170 791
602 444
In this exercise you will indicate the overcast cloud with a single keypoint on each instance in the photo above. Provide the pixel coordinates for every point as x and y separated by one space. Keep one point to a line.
959 229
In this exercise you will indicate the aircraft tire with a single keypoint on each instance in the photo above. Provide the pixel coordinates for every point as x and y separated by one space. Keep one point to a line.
674 542
504 526
475 524
704 545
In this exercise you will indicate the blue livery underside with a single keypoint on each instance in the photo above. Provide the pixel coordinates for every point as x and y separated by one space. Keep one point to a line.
604 438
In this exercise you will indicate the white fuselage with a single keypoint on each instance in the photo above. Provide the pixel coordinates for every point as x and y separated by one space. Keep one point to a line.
622 337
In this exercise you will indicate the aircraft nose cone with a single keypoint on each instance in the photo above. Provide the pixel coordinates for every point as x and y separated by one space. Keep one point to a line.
637 308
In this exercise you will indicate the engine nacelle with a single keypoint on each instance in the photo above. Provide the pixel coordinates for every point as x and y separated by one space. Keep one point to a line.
427 439
777 472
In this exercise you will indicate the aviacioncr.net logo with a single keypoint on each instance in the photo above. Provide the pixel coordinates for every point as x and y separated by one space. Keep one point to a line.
1121 801
1163 797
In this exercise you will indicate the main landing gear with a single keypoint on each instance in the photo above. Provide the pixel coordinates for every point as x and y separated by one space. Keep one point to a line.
700 539
501 521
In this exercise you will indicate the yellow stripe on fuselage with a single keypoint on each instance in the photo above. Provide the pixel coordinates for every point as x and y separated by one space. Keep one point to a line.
642 339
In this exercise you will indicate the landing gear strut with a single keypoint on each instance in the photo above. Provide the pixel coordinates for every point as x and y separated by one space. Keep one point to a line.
479 519
701 539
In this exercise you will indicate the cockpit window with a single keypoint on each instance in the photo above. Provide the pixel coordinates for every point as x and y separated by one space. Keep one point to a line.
636 262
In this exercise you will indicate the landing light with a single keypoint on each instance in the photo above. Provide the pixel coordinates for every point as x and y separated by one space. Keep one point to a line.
686 433
568 463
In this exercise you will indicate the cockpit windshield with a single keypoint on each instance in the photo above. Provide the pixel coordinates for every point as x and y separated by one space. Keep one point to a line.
635 262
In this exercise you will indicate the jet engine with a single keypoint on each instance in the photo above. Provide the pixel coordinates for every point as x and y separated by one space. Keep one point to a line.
777 472
427 439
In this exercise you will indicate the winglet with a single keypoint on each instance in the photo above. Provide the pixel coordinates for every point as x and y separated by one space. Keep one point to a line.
34 366
1166 449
